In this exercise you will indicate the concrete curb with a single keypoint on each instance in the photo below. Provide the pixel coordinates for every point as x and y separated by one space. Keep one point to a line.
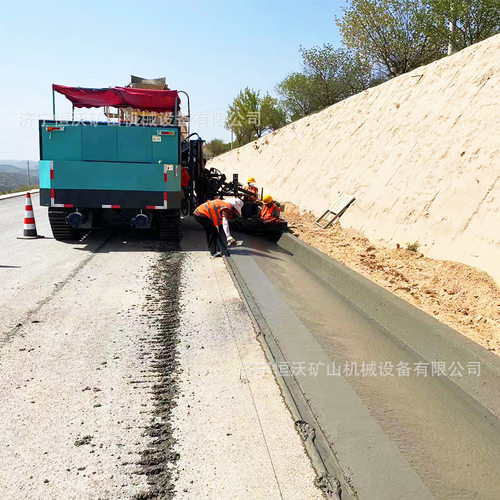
330 477
338 424
342 424
430 338
15 195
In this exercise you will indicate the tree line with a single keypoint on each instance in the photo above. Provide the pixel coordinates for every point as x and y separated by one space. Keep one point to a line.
381 39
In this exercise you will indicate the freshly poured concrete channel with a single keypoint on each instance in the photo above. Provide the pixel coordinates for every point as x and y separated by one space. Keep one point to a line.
387 436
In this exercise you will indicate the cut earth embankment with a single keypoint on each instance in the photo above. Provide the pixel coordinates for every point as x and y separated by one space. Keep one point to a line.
420 152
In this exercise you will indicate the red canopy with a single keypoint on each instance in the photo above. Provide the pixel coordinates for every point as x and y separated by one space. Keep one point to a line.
121 97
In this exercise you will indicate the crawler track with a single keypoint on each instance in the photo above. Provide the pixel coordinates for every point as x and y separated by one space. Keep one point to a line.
61 230
169 226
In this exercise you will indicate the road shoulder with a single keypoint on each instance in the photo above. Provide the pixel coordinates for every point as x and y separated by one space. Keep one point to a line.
236 437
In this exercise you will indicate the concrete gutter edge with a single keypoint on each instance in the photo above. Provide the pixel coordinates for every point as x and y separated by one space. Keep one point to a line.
15 195
330 477
431 339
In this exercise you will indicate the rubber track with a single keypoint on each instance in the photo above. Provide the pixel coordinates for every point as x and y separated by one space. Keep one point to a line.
169 226
61 230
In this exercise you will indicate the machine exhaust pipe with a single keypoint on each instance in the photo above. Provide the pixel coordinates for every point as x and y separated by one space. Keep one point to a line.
76 219
141 221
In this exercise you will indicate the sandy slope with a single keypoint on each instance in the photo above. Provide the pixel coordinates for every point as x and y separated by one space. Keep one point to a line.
421 153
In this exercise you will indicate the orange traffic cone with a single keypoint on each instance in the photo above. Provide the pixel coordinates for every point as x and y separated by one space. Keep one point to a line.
29 220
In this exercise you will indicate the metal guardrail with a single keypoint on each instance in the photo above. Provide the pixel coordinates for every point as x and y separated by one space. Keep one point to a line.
15 195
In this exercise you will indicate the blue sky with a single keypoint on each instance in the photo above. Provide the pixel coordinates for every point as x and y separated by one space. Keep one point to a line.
211 49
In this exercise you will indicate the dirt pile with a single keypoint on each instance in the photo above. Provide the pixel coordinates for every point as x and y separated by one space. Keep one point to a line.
458 295
420 153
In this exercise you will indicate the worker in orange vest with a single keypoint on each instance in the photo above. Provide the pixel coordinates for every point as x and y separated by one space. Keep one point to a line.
270 212
215 213
253 189
250 208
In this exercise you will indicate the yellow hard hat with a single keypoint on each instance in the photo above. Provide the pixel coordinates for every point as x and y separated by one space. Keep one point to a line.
250 179
267 199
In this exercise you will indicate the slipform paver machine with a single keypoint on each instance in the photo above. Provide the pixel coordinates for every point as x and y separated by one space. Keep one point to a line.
124 170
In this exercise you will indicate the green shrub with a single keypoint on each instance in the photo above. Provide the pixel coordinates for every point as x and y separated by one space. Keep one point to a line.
413 247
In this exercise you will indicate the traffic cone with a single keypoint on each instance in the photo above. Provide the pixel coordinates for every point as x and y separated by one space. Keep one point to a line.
29 220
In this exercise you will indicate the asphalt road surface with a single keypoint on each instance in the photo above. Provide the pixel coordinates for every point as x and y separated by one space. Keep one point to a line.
127 371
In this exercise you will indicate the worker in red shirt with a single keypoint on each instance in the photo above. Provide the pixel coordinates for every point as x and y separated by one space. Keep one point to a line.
270 211
213 214
185 198
185 177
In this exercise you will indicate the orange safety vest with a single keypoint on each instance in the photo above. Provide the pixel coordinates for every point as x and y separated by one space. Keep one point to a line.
254 190
270 212
212 209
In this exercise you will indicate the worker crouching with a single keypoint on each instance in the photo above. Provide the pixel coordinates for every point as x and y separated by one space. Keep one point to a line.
213 214
270 212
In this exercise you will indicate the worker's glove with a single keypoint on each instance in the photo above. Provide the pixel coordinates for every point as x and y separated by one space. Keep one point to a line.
231 241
